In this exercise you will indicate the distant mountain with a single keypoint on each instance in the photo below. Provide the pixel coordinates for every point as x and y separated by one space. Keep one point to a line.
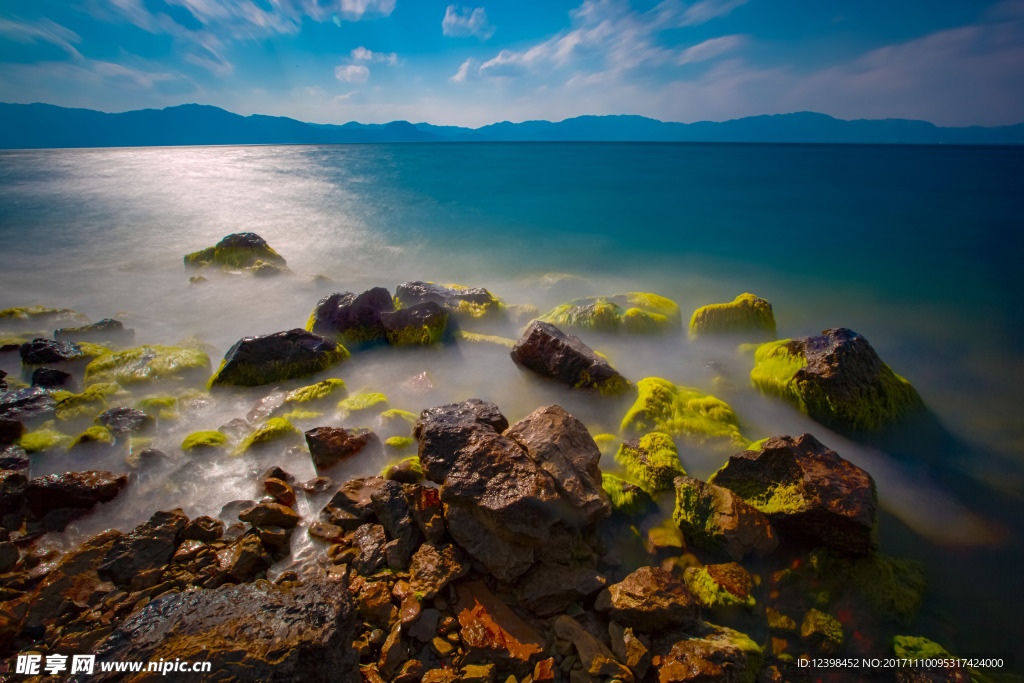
24 126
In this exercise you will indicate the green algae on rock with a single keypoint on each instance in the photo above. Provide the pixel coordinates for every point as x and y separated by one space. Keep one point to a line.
399 442
420 325
45 438
86 405
746 316
821 630
316 392
465 303
652 461
713 517
713 594
145 364
353 319
485 339
273 430
683 413
94 435
23 317
204 440
239 250
296 353
626 498
634 313
837 379
364 403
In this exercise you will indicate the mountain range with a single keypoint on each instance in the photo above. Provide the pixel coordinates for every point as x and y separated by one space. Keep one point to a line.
25 126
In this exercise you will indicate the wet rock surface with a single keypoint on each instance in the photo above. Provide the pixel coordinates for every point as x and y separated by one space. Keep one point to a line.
356 318
329 446
650 599
44 351
125 420
29 406
50 378
276 357
551 353
107 330
714 517
419 325
78 490
147 548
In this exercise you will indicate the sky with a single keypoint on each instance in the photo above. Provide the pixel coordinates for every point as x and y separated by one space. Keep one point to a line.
951 62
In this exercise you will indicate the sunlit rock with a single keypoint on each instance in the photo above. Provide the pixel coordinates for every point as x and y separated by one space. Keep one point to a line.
353 319
253 361
634 313
747 317
551 353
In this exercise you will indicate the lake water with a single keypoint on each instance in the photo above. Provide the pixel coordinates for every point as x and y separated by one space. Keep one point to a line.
916 248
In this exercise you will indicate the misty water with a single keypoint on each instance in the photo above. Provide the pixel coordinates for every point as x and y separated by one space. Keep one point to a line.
916 248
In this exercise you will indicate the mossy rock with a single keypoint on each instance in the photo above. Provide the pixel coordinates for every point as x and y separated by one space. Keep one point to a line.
94 435
683 413
746 316
890 585
485 340
407 470
44 439
240 250
652 461
837 379
160 407
421 325
147 364
316 392
86 405
465 303
204 440
821 630
299 415
626 498
37 317
400 443
254 361
394 420
634 313
520 314
364 403
274 430
711 593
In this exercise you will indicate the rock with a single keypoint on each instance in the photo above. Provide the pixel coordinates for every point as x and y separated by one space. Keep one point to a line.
711 653
821 631
418 384
836 378
253 361
370 539
76 490
330 445
247 632
651 460
39 317
478 673
14 458
45 351
393 653
13 485
317 485
203 528
355 319
549 352
435 567
721 585
148 364
245 560
596 658
714 518
492 633
419 325
277 431
281 490
149 546
808 492
240 250
427 512
106 331
50 378
649 600
204 441
747 316
125 420
626 499
406 471
631 649
375 605
9 556
425 628
635 313
389 506
29 406
10 431
550 588
270 514
685 414
466 303
352 501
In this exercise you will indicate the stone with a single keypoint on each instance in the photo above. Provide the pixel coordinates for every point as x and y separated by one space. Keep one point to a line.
238 250
425 628
596 658
46 351
246 559
710 653
715 518
29 406
9 556
76 490
465 303
352 502
433 568
355 319
808 492
329 446
106 331
50 378
253 361
549 588
149 546
393 653
630 648
247 632
747 317
203 528
632 313
651 460
148 364
648 600
427 512
125 420
478 673
270 514
492 633
551 353
419 325
370 539
10 431
281 490
389 506
686 414
375 605
821 631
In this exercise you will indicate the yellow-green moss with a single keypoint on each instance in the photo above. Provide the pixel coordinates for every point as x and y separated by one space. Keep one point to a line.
96 434
233 257
635 312
371 402
41 314
915 647
606 443
711 593
653 461
316 392
274 429
205 439
491 339
746 315
893 586
817 624
520 314
414 466
683 413
299 414
422 335
626 498
148 364
86 405
162 407
775 364
43 439
399 442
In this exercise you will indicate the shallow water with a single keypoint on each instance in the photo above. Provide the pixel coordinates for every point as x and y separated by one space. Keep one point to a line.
914 247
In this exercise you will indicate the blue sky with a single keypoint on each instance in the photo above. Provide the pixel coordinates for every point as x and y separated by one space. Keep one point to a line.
952 62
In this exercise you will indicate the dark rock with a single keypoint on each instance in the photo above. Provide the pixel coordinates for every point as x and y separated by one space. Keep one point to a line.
492 633
277 357
650 599
247 632
370 540
148 547
270 514
276 472
393 653
390 507
14 458
323 531
808 491
352 501
246 559
425 628
550 588
435 567
29 406
3 377
406 471
631 649
125 420
354 318
715 518
10 431
9 556
50 378
13 485
107 330
43 351
281 490
203 528
419 325
330 445
549 352
317 485
597 660
469 302
425 505
710 653
230 510
240 250
375 605
78 490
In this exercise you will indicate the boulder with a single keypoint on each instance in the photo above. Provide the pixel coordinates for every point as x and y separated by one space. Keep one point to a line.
29 406
649 600
270 514
434 567
352 503
51 378
715 518
550 588
246 632
240 250
685 414
370 540
390 507
355 319
14 459
651 460
626 498
549 352
635 313
76 490
710 653
148 547
245 560
125 420
721 585
419 325
492 633
836 378
253 361
106 331
147 364
46 351
10 431
329 446
39 317
808 492
747 317
466 303
13 484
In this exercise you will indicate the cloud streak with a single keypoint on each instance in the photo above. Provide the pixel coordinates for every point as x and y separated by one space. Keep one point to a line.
466 21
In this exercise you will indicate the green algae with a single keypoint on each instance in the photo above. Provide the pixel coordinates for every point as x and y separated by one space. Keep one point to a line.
146 364
710 593
300 414
399 442
370 402
653 461
96 434
683 413
893 586
419 335
86 405
820 626
494 340
606 443
234 257
280 370
746 315
775 365
161 407
42 315
413 466
634 312
626 499
203 440
45 438
316 392
274 429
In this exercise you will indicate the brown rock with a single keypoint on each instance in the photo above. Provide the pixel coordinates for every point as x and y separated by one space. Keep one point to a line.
390 507
425 505
393 653
544 670
425 628
478 673
330 445
711 653
12 491
435 567
630 648
597 660
352 503
280 490
715 518
650 599
77 490
492 633
270 514
440 676
149 546
246 559
375 604
549 588
549 352
370 540
326 532
203 529
10 431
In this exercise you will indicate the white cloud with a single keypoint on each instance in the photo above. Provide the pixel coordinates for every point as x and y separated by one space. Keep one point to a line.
709 49
464 70
44 30
466 21
355 9
352 73
361 54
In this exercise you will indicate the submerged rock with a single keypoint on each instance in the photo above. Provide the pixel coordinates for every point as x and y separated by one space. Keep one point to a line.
550 352
837 379
50 378
419 325
125 420
808 491
107 330
746 316
715 518
77 490
28 406
253 361
685 414
465 303
146 364
651 460
239 250
635 312
36 317
45 351
625 497
10 431
355 319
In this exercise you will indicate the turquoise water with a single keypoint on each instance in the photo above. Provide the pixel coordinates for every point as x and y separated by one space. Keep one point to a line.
917 248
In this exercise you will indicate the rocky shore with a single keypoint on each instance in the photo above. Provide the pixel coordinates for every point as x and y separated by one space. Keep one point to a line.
484 550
